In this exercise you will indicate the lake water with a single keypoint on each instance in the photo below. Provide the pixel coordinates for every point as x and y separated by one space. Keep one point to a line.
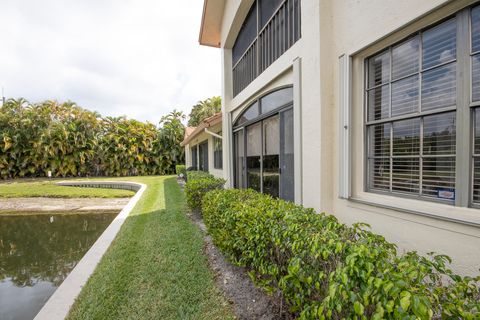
37 252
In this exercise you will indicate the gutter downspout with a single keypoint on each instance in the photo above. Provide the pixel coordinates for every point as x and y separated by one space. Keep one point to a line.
213 134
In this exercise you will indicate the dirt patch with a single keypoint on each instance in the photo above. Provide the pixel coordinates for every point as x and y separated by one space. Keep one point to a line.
249 302
62 205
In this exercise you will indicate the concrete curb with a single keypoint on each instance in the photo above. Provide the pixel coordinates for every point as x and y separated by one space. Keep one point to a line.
59 304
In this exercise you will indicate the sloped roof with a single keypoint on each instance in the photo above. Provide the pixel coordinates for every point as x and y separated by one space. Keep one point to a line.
192 132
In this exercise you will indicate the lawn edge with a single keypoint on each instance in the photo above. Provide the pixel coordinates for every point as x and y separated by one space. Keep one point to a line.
59 304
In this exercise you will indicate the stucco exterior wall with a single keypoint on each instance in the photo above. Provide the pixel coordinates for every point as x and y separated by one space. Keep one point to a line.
331 28
202 137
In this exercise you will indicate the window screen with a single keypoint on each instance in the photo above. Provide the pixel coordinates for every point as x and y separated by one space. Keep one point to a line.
217 153
411 94
194 153
475 94
267 9
247 34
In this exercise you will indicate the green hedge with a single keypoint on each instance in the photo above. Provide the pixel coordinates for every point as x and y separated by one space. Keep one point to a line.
181 169
323 269
195 190
195 175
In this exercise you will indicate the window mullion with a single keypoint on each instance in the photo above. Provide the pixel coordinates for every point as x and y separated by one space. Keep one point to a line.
420 161
462 159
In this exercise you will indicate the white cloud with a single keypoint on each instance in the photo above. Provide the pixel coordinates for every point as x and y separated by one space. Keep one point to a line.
136 58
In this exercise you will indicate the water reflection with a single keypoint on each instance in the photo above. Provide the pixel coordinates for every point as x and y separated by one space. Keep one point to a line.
37 252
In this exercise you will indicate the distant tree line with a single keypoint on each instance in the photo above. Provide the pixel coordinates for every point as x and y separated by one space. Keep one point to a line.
71 141
204 109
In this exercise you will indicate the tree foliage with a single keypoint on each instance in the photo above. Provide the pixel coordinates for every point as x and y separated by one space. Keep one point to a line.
204 109
71 141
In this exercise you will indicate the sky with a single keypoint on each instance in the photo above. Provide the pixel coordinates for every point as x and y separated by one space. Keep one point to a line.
138 58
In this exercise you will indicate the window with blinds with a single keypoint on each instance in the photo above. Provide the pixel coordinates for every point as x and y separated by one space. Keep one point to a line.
475 104
411 94
217 153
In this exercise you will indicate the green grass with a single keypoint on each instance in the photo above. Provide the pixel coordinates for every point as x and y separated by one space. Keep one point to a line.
155 268
29 188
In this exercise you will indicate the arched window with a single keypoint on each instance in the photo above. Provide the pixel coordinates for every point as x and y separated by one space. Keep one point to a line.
263 145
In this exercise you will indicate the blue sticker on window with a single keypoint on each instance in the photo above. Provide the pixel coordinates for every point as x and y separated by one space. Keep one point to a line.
446 194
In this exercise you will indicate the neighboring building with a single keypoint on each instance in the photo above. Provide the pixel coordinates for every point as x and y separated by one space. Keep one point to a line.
203 146
364 109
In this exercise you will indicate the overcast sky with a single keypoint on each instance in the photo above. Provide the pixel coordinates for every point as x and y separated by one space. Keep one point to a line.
139 58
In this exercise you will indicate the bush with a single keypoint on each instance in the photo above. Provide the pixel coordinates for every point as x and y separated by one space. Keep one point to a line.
195 190
180 169
323 269
195 175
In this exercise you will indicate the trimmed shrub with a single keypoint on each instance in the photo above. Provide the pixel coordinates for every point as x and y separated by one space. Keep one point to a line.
195 190
195 175
323 269
180 169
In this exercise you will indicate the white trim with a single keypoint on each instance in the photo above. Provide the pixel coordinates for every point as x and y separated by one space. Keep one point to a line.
297 129
59 304
345 67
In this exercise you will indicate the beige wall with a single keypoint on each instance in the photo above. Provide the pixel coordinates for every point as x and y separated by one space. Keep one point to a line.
331 28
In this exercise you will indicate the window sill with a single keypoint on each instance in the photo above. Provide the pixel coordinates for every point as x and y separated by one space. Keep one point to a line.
440 211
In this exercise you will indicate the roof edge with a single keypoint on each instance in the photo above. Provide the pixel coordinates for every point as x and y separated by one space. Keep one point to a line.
210 35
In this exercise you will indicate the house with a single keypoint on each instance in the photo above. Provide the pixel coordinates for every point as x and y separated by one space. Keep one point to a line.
364 109
204 147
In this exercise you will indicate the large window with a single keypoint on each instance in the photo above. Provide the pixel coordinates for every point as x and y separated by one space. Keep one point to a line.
194 152
416 91
203 156
270 28
217 153
263 145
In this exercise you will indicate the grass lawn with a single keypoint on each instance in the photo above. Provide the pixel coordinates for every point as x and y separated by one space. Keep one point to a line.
30 188
155 268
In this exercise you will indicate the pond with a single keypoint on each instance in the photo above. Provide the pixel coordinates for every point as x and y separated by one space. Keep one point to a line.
37 252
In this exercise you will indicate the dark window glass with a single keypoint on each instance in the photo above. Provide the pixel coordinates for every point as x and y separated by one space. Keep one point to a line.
271 143
194 157
254 154
380 137
239 145
439 177
249 114
217 153
203 156
405 96
405 177
405 58
380 173
276 99
287 174
267 9
406 137
440 44
379 69
476 77
476 29
247 34
439 134
379 103
476 158
439 87
416 155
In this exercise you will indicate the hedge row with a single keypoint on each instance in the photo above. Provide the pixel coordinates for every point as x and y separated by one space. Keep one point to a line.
180 169
323 269
198 184
195 175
